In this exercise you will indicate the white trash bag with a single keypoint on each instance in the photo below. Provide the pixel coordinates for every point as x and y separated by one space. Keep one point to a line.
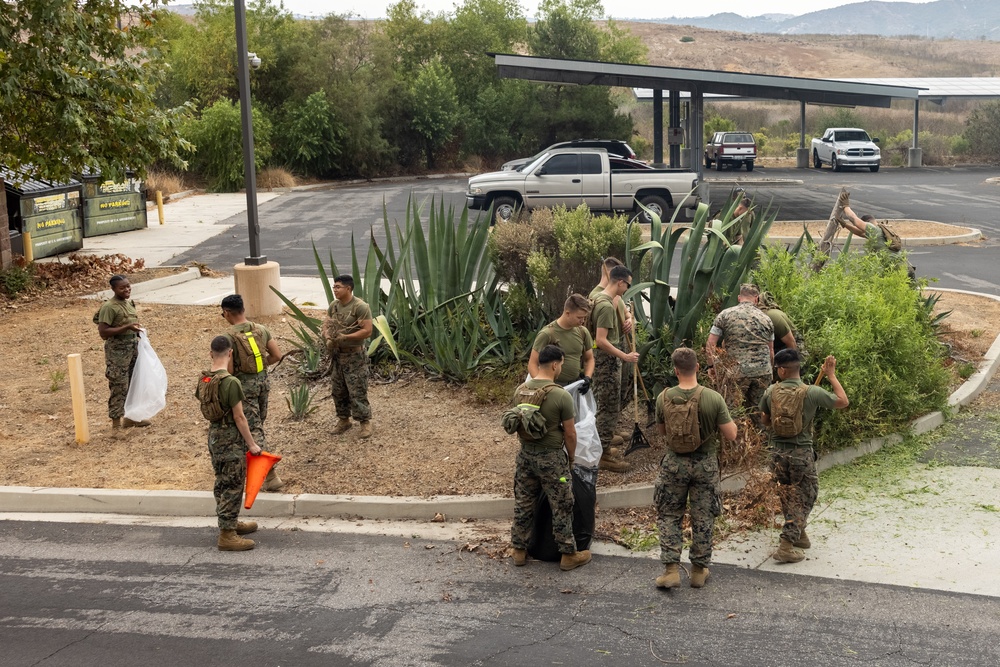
147 390
588 443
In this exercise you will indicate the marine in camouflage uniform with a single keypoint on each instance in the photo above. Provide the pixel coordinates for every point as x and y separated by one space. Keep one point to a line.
793 459
229 438
748 336
348 325
690 479
118 324
543 465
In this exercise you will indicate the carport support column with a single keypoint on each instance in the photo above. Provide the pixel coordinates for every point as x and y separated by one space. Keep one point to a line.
915 157
658 128
675 121
697 130
802 153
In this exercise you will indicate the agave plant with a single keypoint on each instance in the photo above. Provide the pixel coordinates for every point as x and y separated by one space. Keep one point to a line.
710 270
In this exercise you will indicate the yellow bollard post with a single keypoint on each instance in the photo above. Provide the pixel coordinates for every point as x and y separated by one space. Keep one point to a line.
159 205
29 252
79 399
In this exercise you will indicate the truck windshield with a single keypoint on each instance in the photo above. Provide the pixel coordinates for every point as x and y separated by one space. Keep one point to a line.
855 135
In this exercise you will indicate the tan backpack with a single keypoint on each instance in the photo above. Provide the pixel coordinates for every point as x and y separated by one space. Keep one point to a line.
786 409
680 417
892 239
207 394
525 418
250 357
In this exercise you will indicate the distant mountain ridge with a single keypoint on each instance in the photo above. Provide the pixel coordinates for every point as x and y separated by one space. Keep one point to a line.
943 19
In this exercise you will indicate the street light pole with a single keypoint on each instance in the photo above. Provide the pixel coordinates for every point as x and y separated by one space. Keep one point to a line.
249 170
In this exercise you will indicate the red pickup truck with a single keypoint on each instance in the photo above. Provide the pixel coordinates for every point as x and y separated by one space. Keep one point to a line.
736 149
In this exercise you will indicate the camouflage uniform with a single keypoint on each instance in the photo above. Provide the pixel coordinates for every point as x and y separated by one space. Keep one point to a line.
228 452
349 370
793 461
542 465
607 368
746 332
690 480
256 386
119 351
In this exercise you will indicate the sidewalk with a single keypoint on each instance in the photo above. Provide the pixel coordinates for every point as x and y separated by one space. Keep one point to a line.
937 529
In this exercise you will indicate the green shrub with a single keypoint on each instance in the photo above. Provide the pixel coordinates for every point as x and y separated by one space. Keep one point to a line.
862 309
687 39
982 130
310 136
218 140
17 279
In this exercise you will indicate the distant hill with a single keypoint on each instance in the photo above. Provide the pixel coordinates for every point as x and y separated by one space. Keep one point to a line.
955 19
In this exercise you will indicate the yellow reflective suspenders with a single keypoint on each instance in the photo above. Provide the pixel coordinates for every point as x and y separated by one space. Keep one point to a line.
258 360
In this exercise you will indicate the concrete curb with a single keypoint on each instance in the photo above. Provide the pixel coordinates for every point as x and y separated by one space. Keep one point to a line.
147 286
769 182
202 503
331 185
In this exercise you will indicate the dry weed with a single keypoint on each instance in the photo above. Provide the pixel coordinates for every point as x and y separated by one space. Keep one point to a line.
166 182
275 177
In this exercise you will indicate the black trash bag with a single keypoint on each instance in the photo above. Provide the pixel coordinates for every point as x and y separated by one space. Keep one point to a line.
542 545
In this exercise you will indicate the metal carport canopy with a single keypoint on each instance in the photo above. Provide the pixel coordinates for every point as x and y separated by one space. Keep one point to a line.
592 73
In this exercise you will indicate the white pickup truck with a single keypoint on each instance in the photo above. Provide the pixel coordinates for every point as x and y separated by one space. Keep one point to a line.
570 177
846 147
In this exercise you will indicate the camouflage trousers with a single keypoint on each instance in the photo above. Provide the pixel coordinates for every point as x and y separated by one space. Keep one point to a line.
627 367
798 486
228 451
687 481
547 471
349 374
256 392
753 389
608 394
119 359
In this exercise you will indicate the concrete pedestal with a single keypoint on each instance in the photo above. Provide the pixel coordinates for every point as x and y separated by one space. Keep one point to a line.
802 158
915 157
686 158
253 283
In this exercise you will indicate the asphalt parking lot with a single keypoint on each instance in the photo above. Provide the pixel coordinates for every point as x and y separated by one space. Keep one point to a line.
331 217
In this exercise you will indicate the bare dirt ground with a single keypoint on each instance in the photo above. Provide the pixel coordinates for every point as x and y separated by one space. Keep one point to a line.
430 438
905 228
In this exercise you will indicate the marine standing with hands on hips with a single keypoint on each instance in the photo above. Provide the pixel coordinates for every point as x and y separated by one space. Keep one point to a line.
348 323
118 325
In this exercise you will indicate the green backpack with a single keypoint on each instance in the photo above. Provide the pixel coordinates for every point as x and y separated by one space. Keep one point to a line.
207 393
786 409
525 418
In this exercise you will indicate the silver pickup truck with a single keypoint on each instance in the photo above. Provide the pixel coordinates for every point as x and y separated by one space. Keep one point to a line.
570 177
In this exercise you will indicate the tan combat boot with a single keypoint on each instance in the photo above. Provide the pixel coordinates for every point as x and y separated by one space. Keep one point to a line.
116 424
624 435
699 574
617 440
520 556
787 553
803 542
572 561
246 527
342 425
366 429
671 577
272 482
129 423
612 464
230 541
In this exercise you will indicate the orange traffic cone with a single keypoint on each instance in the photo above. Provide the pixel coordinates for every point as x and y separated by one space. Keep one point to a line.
257 469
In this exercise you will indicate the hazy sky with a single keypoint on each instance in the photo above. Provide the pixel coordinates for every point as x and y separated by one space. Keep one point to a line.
614 8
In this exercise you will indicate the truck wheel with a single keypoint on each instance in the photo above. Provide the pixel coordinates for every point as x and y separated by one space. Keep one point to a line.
504 209
708 163
816 163
834 164
874 167
718 165
749 164
656 204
